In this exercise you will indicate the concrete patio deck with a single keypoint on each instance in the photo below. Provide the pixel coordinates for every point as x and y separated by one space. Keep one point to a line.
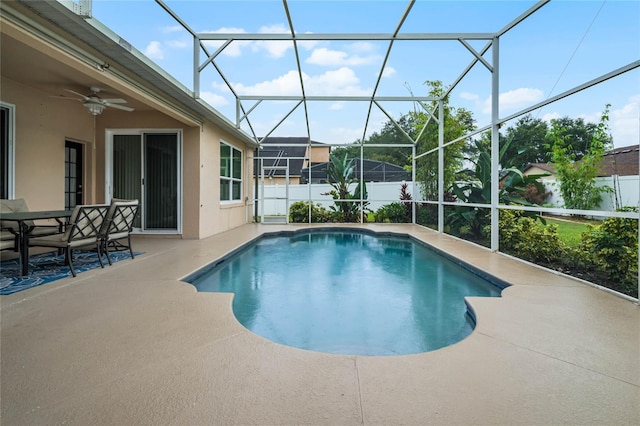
133 345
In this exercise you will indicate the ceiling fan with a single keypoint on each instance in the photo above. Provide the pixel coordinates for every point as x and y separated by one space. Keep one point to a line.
95 104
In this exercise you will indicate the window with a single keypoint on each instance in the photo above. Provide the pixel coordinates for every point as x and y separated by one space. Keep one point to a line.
7 119
230 173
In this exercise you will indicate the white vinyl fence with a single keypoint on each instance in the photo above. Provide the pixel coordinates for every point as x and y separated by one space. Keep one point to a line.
381 193
275 202
627 190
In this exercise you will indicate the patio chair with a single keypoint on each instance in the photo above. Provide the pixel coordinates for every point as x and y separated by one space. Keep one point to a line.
83 230
8 241
20 205
117 227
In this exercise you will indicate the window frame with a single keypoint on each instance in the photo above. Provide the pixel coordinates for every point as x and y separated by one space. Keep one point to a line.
10 155
230 179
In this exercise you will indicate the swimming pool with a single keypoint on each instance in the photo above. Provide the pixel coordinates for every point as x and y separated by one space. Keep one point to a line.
347 292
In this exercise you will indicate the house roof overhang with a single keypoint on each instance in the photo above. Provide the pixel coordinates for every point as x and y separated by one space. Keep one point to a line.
51 47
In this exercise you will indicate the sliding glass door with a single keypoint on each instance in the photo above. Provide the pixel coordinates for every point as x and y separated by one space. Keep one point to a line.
146 166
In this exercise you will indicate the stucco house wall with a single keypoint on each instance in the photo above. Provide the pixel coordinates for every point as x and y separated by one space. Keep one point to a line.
41 126
43 122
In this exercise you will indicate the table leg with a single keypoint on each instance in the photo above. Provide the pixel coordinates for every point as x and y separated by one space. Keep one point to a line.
24 249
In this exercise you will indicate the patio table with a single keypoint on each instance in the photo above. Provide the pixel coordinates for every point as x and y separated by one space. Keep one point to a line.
25 229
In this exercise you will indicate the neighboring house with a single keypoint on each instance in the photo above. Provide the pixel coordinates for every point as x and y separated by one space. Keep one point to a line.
618 170
373 171
540 169
620 161
186 163
295 153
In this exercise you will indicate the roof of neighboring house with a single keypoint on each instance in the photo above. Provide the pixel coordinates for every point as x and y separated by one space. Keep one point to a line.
276 150
543 166
620 161
374 171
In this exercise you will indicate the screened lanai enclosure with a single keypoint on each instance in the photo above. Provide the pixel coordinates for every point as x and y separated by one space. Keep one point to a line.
446 98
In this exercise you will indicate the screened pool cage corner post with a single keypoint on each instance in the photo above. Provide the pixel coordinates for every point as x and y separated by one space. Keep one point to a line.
440 166
262 189
415 187
286 194
361 181
256 167
310 207
196 67
495 145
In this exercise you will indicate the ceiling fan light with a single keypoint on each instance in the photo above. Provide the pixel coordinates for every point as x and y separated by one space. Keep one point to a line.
94 108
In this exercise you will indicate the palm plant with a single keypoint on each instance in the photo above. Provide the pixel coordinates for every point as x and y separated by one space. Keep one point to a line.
476 189
340 171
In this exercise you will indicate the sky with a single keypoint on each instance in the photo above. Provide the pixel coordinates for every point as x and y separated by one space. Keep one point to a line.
562 45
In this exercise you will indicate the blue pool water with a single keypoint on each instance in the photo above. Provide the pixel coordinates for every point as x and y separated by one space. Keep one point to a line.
347 292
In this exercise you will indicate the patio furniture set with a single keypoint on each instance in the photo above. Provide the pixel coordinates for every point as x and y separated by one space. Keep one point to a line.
101 226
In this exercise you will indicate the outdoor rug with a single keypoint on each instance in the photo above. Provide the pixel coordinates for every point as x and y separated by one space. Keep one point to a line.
47 267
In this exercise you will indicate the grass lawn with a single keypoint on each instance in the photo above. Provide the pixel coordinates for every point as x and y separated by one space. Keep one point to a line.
570 231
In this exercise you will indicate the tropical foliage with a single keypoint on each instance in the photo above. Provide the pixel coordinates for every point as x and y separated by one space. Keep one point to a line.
299 213
613 247
340 175
474 187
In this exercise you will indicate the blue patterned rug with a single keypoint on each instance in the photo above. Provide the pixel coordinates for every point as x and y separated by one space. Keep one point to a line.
47 267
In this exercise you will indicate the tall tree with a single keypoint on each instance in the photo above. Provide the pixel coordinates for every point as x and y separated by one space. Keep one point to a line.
527 143
457 122
578 136
576 169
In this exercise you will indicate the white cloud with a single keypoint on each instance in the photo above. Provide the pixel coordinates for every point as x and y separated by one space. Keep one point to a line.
625 123
340 82
388 71
362 46
336 106
274 48
514 100
326 57
287 84
308 44
214 99
172 29
550 116
234 49
154 50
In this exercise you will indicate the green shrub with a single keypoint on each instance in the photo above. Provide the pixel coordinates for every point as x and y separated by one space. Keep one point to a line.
522 237
427 215
392 213
299 213
613 247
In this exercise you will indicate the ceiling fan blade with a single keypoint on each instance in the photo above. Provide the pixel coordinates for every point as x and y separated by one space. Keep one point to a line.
67 98
79 94
115 101
123 108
